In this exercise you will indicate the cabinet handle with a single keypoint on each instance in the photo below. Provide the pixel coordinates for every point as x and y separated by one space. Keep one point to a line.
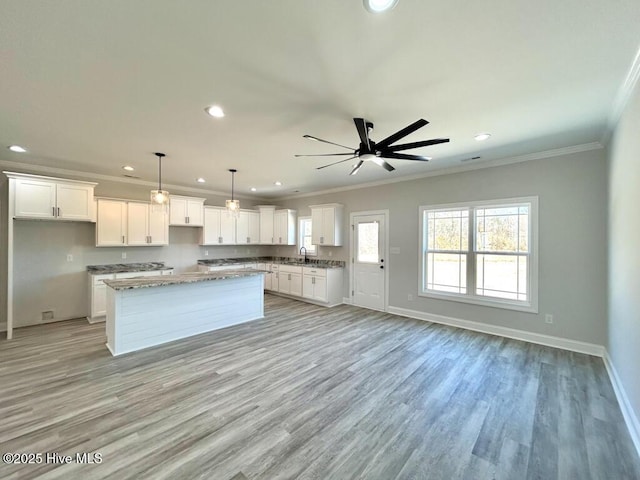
289 276
321 239
150 239
53 211
58 211
272 240
219 239
279 239
313 280
122 238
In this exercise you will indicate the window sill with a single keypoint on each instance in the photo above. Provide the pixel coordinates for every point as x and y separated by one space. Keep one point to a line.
485 302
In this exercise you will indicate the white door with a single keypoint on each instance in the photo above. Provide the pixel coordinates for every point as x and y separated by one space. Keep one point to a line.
369 262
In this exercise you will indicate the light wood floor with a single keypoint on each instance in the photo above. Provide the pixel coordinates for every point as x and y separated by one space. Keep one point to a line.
311 393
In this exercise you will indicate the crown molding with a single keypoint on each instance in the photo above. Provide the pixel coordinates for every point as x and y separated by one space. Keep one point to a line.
622 98
584 147
43 170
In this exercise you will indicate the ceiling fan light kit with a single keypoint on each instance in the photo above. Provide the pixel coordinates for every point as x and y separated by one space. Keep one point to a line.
377 152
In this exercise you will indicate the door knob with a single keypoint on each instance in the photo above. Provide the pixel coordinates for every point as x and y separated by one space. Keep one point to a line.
381 266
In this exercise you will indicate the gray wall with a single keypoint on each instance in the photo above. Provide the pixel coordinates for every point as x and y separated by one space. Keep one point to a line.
624 254
572 235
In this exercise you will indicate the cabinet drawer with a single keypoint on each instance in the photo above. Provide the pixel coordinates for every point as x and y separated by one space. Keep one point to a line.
290 269
317 272
275 267
151 273
99 279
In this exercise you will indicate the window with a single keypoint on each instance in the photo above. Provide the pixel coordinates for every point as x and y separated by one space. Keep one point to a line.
304 239
481 252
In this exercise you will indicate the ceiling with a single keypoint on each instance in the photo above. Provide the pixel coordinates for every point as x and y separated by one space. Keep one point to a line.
90 86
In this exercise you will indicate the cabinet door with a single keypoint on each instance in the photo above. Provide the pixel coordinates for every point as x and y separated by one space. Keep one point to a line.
99 305
317 227
211 229
295 288
227 228
284 282
177 211
254 227
194 213
35 199
242 228
328 226
74 202
280 228
275 281
137 223
320 289
307 286
158 227
267 226
111 223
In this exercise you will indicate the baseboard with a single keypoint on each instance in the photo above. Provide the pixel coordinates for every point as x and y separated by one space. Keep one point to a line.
540 339
630 418
346 300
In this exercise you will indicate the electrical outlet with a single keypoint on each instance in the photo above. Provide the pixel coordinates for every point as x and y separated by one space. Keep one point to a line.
206 253
548 318
410 297
124 255
69 258
47 315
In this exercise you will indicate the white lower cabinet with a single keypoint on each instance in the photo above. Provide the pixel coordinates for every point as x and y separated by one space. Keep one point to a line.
314 284
98 290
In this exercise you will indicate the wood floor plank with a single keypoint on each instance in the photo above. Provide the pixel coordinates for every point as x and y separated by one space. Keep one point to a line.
310 393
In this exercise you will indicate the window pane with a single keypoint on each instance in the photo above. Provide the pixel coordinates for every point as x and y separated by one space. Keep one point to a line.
504 229
368 242
502 276
448 230
447 272
305 236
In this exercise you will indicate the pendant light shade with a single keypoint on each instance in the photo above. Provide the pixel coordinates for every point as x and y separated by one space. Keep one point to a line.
233 206
159 197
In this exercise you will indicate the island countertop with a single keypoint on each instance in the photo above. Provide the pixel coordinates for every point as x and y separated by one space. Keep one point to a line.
191 277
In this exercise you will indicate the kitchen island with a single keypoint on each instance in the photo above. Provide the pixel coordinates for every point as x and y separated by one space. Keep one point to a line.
148 311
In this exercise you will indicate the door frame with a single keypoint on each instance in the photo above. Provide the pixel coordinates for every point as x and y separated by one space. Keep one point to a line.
352 239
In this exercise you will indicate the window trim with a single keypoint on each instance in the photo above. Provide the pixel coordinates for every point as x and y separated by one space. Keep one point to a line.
470 297
300 238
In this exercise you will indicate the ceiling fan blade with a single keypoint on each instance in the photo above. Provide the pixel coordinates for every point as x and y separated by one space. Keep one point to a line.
325 155
361 125
383 164
404 156
357 167
402 133
335 163
311 137
425 143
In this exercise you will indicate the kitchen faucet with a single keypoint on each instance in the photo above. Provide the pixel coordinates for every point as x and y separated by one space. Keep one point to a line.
306 260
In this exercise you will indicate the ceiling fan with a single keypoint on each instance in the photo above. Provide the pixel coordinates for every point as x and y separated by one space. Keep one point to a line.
377 152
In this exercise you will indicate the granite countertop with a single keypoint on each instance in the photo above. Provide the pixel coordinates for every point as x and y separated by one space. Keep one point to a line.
313 262
126 267
192 277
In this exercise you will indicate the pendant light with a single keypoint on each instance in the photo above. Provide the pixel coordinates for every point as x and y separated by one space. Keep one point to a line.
233 206
159 197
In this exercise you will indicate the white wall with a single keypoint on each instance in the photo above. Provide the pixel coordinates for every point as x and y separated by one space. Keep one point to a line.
572 256
624 252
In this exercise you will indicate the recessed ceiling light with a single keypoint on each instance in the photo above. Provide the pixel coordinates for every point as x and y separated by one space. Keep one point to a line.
215 111
254 189
482 137
200 180
378 6
278 183
17 149
128 168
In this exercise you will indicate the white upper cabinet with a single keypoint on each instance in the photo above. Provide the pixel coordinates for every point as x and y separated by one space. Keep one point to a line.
124 223
51 198
186 211
284 232
219 227
326 224
267 213
145 226
111 224
248 228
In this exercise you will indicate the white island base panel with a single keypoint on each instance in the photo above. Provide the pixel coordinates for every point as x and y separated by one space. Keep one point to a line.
139 318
